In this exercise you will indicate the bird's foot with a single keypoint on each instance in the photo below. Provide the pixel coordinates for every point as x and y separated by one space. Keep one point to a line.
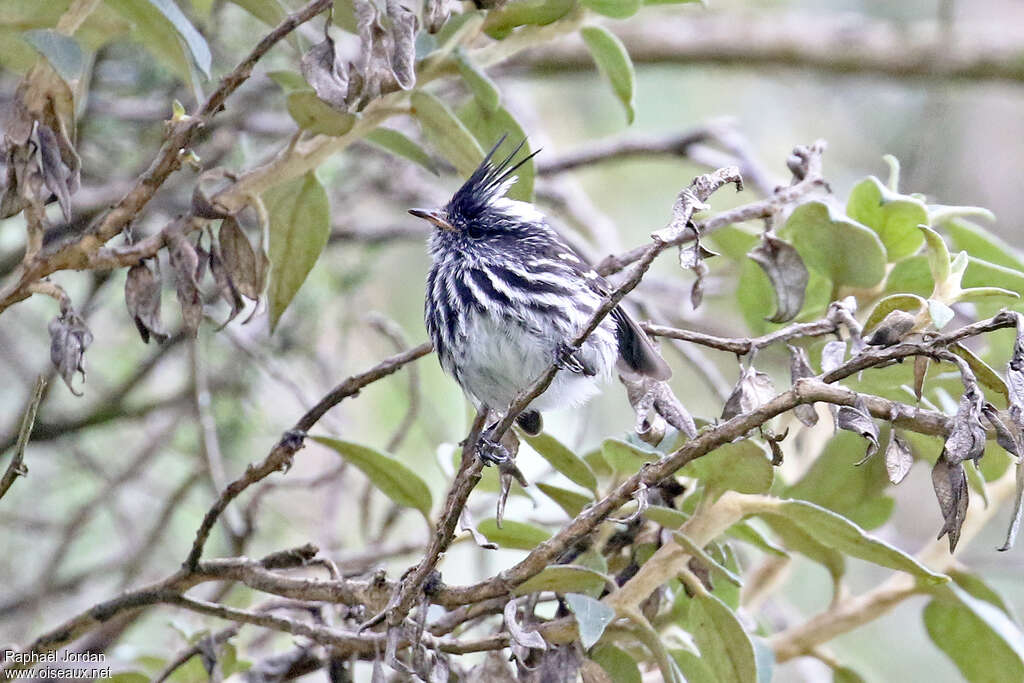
491 452
569 357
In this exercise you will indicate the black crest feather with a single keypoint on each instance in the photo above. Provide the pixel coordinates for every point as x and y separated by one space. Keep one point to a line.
487 182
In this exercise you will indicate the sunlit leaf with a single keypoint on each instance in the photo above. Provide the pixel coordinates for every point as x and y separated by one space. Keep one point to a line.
845 251
893 216
564 578
316 116
563 460
570 501
393 478
512 534
592 616
614 64
724 645
616 9
447 133
299 227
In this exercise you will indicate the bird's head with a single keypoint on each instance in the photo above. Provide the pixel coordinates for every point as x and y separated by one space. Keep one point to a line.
479 209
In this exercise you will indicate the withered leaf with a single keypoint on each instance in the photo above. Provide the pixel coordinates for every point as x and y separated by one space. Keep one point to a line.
435 14
403 37
800 368
1015 375
920 371
142 298
651 400
55 175
185 262
69 338
1007 436
857 419
240 261
950 484
225 285
774 442
898 458
893 328
466 524
203 207
967 440
326 74
519 634
1018 511
751 391
787 272
832 355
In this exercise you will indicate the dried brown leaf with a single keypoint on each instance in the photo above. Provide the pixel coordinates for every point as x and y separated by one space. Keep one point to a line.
520 635
787 273
403 43
240 259
142 298
185 262
967 439
326 73
225 285
800 368
69 338
893 328
898 458
751 391
950 484
857 419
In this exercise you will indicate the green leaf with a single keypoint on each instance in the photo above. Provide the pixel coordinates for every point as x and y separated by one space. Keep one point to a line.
63 52
747 533
910 276
299 227
512 534
976 587
316 116
288 81
845 251
938 255
563 460
982 244
893 216
447 133
941 215
855 492
624 457
619 665
693 549
592 616
614 64
564 578
507 16
844 674
981 273
394 479
156 22
488 128
695 669
839 533
724 646
742 466
570 501
270 12
400 145
983 371
911 303
597 463
616 9
478 82
980 639
666 517
796 539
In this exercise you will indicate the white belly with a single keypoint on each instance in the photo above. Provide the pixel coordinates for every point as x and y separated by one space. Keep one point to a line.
501 359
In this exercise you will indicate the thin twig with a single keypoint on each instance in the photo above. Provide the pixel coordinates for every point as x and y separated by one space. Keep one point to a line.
16 467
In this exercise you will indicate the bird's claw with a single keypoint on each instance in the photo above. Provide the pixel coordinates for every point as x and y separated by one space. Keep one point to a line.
491 452
567 357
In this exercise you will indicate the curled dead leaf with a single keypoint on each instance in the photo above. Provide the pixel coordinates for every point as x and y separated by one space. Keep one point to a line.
69 338
142 298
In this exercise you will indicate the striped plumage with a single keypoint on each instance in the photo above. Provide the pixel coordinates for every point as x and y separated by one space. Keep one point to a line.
505 293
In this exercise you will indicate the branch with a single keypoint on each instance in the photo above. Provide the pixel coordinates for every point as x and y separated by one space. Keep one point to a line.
837 43
16 467
77 254
280 456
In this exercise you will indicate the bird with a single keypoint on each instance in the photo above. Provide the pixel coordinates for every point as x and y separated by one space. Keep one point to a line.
505 295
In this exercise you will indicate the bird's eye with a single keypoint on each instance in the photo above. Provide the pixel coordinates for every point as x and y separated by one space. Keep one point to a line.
475 232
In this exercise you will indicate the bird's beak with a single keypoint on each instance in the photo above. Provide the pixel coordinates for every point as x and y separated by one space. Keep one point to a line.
435 216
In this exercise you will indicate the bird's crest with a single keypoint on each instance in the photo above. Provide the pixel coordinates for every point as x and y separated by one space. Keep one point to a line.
490 181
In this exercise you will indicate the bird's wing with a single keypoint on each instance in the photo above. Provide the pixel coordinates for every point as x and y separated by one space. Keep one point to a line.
636 352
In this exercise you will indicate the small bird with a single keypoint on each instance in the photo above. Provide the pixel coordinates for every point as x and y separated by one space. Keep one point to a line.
506 294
